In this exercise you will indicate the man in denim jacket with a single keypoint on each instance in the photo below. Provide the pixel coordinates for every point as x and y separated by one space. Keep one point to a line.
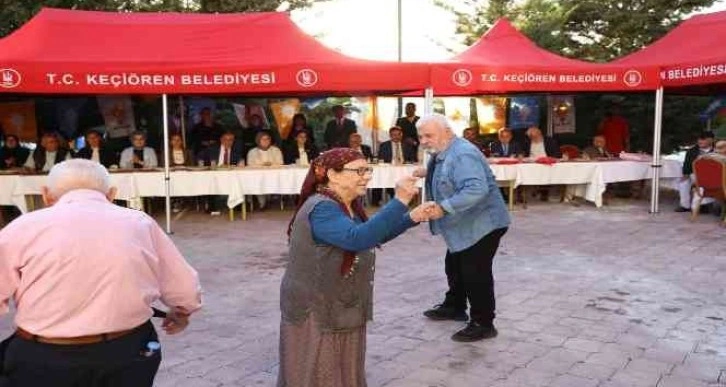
472 217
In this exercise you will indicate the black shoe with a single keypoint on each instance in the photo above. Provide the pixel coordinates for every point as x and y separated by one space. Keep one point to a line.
475 332
682 209
442 312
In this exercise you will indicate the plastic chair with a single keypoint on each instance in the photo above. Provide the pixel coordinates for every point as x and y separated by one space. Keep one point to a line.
710 183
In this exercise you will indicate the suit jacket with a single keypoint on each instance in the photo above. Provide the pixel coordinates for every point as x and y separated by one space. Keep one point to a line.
514 149
385 152
551 148
691 156
292 153
108 157
366 150
337 136
189 159
212 154
409 128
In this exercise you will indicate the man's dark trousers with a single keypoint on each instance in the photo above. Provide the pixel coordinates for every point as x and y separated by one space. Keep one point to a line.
469 273
115 363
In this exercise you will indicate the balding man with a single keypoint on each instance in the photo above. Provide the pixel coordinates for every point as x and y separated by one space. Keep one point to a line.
471 215
83 274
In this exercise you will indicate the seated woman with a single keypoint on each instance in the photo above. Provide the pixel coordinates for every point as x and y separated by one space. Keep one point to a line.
264 155
96 150
301 150
178 155
12 154
326 296
138 155
300 123
48 153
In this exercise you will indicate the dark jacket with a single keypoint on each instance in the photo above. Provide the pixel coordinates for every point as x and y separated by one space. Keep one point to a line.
513 150
551 148
108 157
385 153
691 156
19 154
291 152
366 150
337 136
409 128
212 154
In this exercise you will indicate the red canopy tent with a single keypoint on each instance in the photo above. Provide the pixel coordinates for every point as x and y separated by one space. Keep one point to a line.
65 52
505 60
691 59
692 54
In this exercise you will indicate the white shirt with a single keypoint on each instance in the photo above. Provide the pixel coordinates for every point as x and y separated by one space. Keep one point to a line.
537 150
178 157
303 160
220 159
127 158
96 155
49 160
259 157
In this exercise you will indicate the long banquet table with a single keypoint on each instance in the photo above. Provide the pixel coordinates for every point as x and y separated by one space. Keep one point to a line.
589 178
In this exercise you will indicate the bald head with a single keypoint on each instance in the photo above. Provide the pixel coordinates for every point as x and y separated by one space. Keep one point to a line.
77 174
434 132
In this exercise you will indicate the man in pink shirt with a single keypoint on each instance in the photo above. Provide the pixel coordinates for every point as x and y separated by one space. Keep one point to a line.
83 274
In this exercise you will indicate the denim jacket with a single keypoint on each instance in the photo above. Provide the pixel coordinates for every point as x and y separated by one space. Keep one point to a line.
460 181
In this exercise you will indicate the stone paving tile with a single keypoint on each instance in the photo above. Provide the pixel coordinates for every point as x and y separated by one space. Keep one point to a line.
609 298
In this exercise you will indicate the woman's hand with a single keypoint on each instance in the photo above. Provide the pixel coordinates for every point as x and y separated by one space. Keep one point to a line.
406 189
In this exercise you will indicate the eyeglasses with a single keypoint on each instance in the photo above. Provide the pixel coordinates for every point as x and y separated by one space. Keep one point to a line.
360 171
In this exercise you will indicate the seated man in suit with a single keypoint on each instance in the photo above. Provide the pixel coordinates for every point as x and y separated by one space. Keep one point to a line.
540 146
355 141
597 151
225 154
395 151
339 129
506 146
96 150
472 135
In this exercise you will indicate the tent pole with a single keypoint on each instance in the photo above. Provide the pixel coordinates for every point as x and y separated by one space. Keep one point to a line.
656 165
550 126
183 124
428 109
167 175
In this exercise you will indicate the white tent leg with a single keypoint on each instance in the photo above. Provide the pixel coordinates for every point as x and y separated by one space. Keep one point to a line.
656 165
167 174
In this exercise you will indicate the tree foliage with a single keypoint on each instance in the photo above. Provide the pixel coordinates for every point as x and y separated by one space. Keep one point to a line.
14 13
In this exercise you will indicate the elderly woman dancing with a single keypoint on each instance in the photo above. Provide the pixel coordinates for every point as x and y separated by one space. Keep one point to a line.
327 291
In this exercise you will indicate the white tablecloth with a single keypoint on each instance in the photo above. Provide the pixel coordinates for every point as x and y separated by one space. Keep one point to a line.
590 179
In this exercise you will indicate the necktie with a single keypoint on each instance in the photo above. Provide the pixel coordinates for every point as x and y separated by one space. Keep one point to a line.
397 156
505 149
226 156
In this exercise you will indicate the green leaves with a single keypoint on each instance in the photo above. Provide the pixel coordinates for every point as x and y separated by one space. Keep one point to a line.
14 13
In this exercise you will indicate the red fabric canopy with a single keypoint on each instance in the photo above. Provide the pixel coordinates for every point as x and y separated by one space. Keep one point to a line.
505 60
61 51
693 53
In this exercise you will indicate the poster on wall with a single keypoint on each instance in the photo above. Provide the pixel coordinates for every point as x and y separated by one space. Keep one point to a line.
563 114
118 115
491 114
283 112
458 111
18 118
524 112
